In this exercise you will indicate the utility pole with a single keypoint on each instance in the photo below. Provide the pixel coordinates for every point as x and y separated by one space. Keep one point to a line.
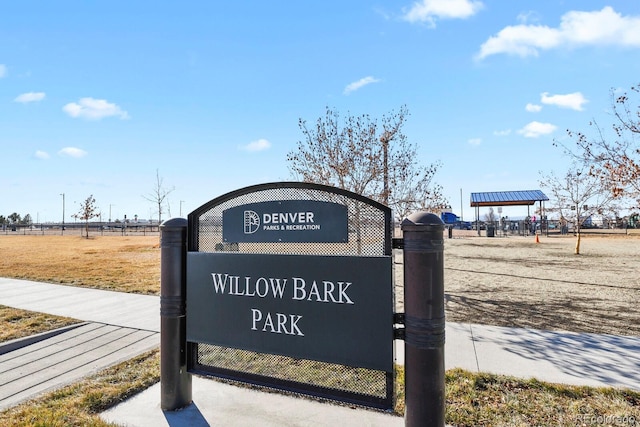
62 194
577 250
384 139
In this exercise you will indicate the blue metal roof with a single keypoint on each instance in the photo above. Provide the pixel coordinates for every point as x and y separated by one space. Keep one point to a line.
504 198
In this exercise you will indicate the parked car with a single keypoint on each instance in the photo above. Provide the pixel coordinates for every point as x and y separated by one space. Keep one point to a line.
463 225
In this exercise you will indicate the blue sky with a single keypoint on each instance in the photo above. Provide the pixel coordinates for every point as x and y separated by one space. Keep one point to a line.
97 96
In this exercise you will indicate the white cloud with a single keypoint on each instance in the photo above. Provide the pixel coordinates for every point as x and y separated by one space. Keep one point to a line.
505 132
94 109
258 145
475 141
528 16
533 108
72 152
605 27
574 101
42 155
428 11
536 129
521 40
351 87
30 97
3 70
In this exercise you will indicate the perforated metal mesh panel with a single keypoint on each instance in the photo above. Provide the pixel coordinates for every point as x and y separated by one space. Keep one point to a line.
369 228
321 375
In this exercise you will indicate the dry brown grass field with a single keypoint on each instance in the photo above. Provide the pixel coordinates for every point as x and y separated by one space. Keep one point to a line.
503 281
119 263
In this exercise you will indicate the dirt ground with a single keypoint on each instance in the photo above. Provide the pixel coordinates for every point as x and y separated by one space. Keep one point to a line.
514 281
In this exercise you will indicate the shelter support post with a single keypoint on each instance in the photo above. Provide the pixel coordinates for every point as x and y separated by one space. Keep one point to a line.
175 381
423 255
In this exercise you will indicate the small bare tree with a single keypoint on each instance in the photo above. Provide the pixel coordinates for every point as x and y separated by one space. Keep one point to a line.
87 211
491 217
14 218
576 196
159 195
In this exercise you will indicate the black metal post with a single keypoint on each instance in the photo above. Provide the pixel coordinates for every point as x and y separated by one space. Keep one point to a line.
175 380
423 256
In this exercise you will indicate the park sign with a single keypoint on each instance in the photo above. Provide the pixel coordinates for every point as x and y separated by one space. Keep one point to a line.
289 272
311 307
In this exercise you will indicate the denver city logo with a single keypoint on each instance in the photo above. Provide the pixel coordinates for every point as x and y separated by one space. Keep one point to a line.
286 221
251 222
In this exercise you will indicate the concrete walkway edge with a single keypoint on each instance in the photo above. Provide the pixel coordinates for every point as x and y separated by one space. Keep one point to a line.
18 343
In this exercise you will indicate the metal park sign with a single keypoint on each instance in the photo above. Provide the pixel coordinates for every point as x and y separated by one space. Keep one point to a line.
312 307
289 286
297 277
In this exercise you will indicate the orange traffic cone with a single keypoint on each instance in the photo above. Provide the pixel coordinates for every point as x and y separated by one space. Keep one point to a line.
537 238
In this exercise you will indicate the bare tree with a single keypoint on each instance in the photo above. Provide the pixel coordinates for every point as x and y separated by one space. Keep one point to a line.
576 196
366 157
87 211
491 217
159 195
14 218
614 161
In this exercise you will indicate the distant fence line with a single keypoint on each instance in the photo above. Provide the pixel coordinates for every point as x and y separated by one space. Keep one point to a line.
79 228
524 227
507 228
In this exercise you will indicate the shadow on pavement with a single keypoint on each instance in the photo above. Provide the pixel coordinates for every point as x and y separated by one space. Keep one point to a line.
608 359
187 417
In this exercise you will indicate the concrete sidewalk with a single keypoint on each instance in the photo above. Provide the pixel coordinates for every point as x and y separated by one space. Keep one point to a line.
65 356
551 356
579 359
89 305
561 357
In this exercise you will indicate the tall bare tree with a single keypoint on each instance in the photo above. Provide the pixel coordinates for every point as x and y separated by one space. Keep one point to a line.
576 196
87 212
367 157
158 195
614 160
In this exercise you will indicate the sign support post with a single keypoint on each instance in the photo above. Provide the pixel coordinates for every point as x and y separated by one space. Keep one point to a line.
174 379
424 320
